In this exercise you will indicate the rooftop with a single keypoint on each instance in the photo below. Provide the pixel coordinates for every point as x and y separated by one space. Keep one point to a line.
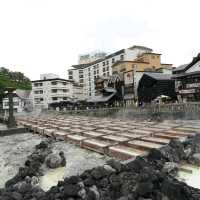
159 76
52 79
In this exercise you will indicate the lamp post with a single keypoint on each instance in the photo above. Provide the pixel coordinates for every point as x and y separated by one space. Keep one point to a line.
11 119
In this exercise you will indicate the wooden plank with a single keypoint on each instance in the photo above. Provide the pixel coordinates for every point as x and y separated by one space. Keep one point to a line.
184 129
168 136
96 145
155 140
130 135
92 134
76 139
139 131
115 138
143 144
123 152
181 133
60 135
49 132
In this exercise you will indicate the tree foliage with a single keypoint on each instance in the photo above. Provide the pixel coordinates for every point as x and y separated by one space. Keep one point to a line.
13 79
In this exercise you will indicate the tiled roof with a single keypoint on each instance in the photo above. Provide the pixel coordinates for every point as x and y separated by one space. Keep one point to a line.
159 76
180 68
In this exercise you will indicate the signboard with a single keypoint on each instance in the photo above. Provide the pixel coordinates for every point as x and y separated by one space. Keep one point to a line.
193 85
128 78
187 91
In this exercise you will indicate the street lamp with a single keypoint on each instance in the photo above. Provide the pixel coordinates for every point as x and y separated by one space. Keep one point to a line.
11 119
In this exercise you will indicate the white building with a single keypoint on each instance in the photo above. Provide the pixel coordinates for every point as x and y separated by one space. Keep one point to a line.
85 74
21 101
50 89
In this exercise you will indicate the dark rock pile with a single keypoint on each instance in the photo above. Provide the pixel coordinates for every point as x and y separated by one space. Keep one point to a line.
25 184
145 178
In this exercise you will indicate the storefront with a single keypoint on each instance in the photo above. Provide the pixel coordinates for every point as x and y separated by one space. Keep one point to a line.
187 81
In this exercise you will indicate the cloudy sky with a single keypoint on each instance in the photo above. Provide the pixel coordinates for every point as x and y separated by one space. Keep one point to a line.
46 36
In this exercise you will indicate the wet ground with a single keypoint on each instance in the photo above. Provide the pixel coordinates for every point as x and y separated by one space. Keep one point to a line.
15 149
13 153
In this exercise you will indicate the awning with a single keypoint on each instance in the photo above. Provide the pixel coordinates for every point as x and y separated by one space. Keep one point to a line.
128 96
101 98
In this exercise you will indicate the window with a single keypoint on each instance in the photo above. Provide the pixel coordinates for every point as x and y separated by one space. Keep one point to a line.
113 60
104 74
97 71
38 92
70 72
54 98
64 83
108 74
81 81
54 83
107 62
121 57
152 57
64 98
104 69
38 84
107 68
80 76
54 90
71 77
65 90
81 71
103 63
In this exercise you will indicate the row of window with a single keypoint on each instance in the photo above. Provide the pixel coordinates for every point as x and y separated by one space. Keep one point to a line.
15 103
56 90
56 98
104 63
39 100
38 92
52 83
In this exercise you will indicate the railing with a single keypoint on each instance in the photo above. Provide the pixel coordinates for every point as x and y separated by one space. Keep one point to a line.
176 110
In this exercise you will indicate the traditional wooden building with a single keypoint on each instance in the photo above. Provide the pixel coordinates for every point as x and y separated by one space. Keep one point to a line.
153 85
187 81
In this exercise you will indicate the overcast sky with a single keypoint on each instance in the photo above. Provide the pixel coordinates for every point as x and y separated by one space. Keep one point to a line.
46 36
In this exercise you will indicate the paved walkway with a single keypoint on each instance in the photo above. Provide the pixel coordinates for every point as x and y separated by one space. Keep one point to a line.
113 137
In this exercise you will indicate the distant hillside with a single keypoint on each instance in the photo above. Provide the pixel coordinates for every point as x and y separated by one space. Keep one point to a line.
13 79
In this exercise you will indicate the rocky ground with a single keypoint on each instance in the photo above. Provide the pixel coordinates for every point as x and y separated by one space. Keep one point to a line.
15 149
145 178
13 153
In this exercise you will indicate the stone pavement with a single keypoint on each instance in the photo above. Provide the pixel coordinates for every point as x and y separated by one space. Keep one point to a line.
113 137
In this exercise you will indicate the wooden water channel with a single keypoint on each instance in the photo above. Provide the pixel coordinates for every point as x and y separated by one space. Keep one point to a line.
113 137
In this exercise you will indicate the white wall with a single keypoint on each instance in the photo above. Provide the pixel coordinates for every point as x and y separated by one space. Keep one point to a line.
48 76
47 93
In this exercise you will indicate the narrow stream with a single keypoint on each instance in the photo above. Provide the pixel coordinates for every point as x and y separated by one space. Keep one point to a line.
51 178
190 176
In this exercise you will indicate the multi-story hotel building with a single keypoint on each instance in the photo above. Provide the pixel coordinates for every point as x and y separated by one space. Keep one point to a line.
50 89
86 73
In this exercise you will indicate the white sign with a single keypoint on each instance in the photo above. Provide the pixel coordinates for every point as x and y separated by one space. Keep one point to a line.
128 78
187 91
193 85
